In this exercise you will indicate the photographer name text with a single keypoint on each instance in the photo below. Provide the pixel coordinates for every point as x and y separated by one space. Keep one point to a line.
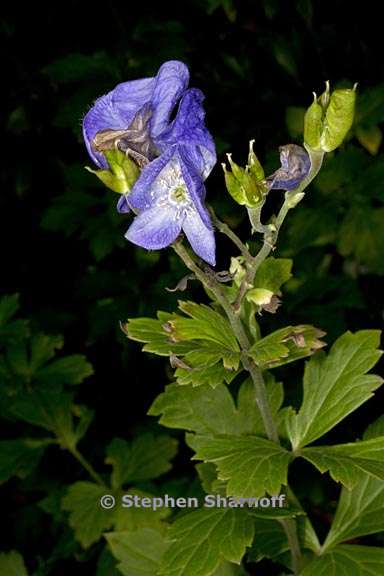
209 501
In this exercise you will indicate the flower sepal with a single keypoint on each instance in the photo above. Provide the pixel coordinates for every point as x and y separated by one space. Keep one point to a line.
122 174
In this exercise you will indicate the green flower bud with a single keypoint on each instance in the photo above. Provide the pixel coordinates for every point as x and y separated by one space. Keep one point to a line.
246 185
329 119
313 125
255 168
338 118
259 296
122 174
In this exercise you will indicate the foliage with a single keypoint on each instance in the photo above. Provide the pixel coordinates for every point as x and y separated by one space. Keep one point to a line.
74 392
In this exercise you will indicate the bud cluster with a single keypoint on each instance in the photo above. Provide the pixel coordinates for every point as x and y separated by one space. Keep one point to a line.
247 186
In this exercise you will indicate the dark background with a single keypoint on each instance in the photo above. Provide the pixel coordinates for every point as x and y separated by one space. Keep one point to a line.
62 243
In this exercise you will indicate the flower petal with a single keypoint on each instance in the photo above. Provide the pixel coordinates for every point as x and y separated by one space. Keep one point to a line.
122 205
295 165
115 111
194 183
188 129
170 83
141 195
201 238
129 97
154 228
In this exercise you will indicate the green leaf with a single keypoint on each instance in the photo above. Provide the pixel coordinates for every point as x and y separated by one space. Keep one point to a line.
286 345
31 361
369 109
294 120
75 67
229 569
360 511
347 560
139 553
250 465
43 348
273 273
128 518
151 331
26 358
203 539
10 329
375 429
349 463
106 564
87 517
335 385
9 305
204 324
20 457
213 411
53 409
145 458
212 376
12 564
72 369
270 540
361 236
69 213
210 352
370 137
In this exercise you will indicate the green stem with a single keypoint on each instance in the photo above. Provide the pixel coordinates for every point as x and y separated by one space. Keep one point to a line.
271 232
85 464
290 529
256 374
226 230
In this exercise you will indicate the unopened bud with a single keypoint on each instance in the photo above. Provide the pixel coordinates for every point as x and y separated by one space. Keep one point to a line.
295 165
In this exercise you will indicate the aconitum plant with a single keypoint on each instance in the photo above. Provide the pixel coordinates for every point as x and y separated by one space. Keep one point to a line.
150 144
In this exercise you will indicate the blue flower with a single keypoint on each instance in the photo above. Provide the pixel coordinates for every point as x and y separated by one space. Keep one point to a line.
295 165
176 156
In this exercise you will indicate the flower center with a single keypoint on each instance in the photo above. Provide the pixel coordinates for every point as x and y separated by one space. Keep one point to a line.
178 195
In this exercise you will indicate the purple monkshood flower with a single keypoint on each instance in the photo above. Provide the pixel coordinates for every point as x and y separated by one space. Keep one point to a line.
175 151
295 165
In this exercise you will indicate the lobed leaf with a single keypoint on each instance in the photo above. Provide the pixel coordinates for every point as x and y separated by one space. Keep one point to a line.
201 540
286 345
335 385
250 465
360 511
347 560
213 411
349 463
145 458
